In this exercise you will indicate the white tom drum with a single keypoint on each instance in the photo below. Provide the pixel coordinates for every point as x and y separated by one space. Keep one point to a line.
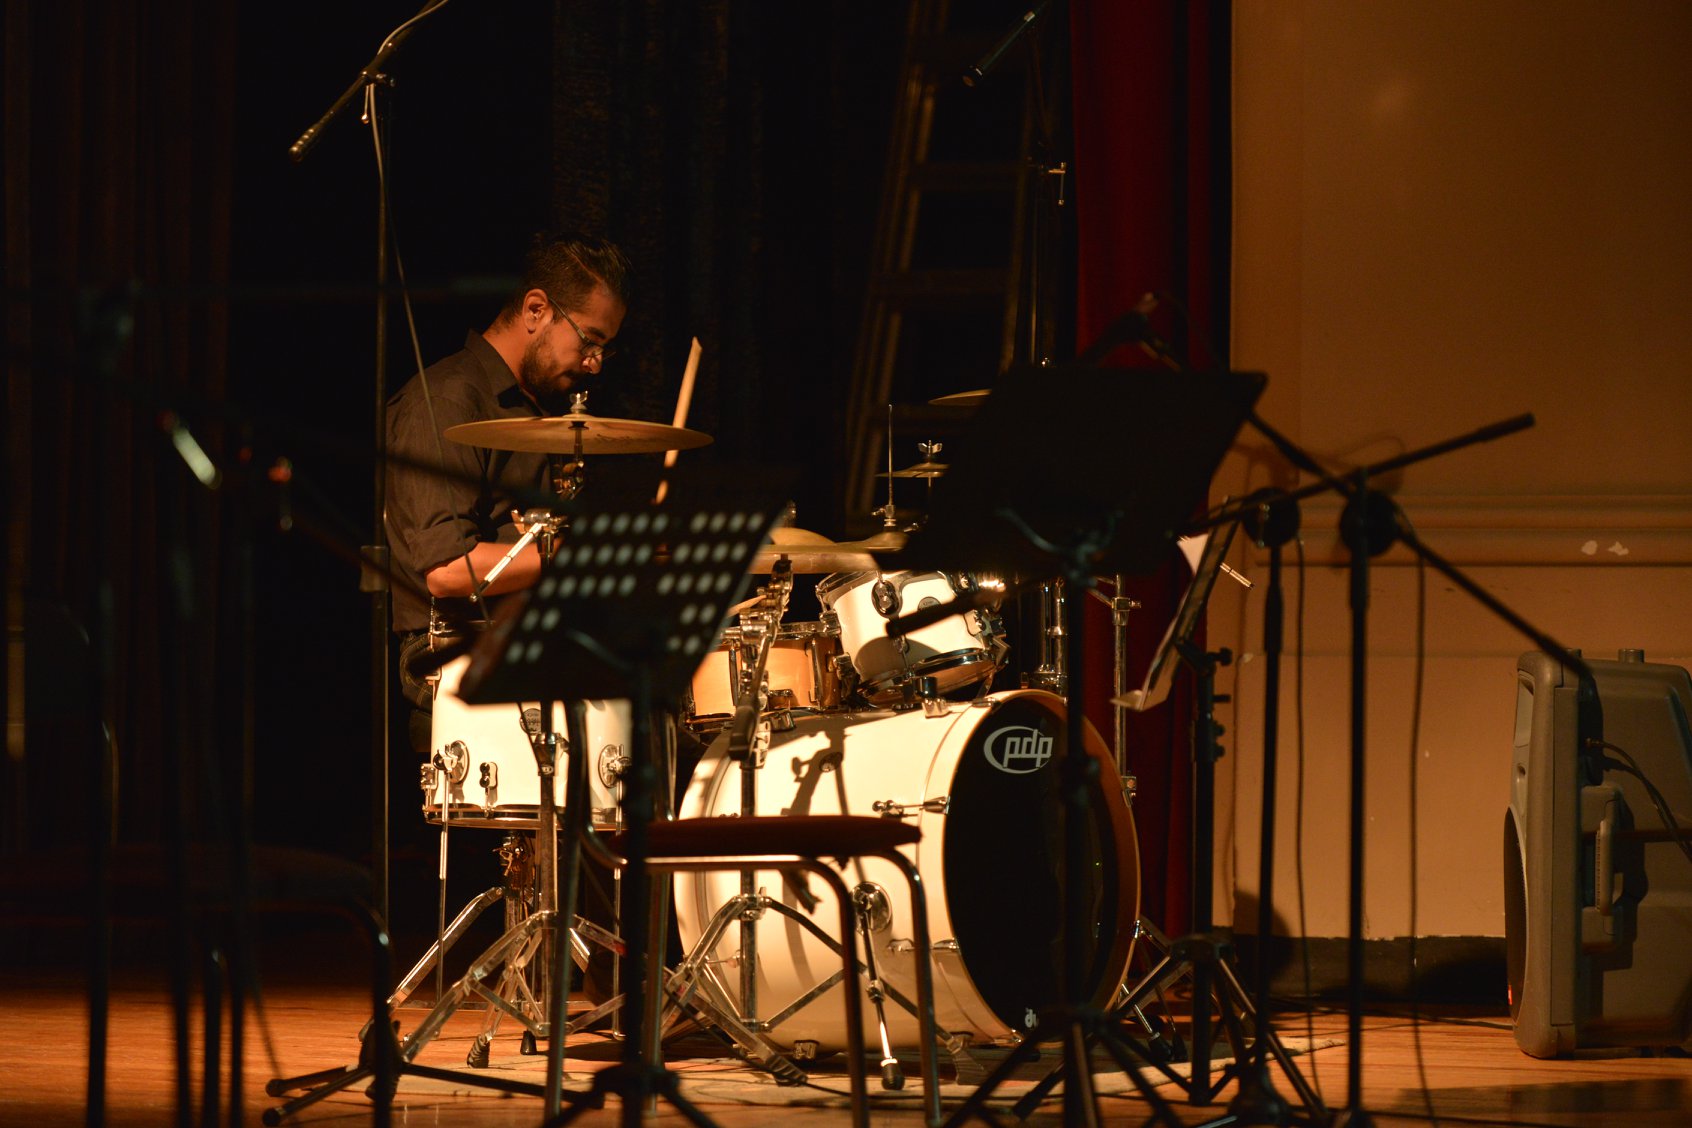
482 770
800 671
960 651
981 781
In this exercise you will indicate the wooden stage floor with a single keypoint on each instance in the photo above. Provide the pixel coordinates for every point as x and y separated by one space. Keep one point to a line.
1475 1075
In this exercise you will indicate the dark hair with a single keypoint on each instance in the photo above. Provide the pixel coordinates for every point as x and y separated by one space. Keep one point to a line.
568 266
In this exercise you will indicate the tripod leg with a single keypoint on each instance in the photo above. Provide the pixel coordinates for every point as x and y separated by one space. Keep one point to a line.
892 1077
460 924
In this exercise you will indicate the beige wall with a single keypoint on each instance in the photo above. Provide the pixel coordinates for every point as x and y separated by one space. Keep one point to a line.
1447 214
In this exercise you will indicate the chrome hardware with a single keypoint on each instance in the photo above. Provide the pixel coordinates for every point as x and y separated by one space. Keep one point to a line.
884 597
933 705
490 776
613 764
430 776
892 809
874 910
454 760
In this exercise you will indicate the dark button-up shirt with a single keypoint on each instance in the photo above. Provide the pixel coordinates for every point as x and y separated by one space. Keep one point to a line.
435 517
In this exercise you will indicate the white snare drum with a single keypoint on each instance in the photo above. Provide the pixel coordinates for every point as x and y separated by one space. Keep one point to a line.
484 766
959 651
982 784
800 670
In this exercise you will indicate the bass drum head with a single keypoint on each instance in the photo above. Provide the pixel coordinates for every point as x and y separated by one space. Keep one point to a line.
1004 863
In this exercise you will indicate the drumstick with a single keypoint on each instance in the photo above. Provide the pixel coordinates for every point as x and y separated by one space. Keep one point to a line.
684 399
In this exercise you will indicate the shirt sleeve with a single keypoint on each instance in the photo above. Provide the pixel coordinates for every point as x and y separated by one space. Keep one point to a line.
433 487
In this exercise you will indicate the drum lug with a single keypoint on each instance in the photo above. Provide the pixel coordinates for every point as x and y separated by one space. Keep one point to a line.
933 705
489 776
884 597
875 912
430 778
454 760
612 764
804 1050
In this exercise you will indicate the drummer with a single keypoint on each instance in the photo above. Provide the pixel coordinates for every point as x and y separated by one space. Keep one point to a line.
448 530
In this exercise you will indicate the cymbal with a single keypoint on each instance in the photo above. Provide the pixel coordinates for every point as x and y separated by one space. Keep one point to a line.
962 399
918 470
811 553
557 434
888 540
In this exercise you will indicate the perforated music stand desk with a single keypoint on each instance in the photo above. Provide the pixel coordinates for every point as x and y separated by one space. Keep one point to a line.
1162 669
632 584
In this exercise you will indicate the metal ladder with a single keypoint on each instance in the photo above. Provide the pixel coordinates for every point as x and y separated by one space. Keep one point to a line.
944 308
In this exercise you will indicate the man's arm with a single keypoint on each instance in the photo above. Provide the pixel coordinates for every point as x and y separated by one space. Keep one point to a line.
453 578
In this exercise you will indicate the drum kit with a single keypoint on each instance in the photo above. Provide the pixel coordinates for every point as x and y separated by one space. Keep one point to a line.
841 718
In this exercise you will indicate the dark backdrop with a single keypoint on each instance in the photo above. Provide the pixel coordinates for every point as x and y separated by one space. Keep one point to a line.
162 253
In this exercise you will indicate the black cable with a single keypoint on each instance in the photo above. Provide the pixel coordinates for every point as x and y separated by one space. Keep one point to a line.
1415 824
411 327
1631 767
1298 821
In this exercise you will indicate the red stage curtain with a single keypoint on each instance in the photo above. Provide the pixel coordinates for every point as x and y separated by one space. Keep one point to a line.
1150 89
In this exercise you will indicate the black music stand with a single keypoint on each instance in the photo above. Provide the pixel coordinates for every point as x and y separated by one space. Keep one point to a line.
1161 671
1080 471
628 606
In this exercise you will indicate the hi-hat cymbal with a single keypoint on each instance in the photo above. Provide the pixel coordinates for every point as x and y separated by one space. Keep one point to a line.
962 399
918 470
888 540
559 434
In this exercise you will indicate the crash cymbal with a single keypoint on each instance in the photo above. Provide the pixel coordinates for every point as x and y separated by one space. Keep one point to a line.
918 470
962 399
559 434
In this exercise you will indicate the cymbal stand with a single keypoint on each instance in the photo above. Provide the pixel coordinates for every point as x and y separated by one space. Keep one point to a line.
748 739
1369 525
1053 672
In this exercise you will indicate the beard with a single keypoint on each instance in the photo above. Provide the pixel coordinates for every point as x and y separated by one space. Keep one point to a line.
551 393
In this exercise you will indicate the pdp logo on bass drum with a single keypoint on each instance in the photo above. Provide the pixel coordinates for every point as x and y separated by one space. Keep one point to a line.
1018 749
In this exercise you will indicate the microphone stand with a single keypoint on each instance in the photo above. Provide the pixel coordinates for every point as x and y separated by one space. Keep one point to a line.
1370 524
375 568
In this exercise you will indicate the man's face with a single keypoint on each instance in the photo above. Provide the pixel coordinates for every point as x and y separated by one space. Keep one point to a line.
560 354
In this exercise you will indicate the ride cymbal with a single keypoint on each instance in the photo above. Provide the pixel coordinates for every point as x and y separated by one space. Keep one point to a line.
561 434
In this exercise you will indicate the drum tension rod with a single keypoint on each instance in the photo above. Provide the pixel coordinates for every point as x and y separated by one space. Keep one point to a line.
892 809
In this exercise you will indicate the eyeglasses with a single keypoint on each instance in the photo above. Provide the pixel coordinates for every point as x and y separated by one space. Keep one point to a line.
591 350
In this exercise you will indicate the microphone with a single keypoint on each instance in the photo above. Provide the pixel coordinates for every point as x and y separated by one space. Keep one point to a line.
1131 328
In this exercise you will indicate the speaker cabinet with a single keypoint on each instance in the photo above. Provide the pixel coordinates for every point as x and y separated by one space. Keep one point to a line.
1597 893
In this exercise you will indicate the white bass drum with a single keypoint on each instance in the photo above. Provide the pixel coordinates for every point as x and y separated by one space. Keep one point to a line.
981 781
